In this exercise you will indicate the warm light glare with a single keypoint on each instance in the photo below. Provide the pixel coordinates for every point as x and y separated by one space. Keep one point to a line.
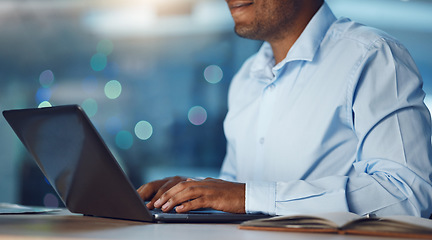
128 17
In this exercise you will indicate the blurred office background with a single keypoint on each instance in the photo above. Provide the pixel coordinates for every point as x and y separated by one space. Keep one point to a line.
151 74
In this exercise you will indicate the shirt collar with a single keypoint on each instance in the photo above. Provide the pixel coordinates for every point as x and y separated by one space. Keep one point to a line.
304 48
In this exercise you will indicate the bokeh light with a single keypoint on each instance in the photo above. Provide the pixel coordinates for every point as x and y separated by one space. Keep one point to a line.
197 115
105 47
213 74
43 94
98 62
90 106
51 200
124 140
46 78
44 104
113 89
143 130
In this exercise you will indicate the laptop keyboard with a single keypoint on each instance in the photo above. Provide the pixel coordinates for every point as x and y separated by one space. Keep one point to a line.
197 211
158 210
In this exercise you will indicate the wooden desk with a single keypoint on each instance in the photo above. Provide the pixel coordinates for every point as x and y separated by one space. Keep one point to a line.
64 225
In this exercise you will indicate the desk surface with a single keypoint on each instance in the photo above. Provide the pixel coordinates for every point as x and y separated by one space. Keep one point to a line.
65 225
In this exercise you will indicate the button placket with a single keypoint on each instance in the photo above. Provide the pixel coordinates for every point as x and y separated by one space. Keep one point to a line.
268 100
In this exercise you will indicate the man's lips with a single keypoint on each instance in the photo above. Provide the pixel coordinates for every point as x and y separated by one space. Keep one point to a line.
238 4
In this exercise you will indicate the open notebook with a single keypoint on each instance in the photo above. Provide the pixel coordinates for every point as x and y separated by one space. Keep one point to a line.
346 223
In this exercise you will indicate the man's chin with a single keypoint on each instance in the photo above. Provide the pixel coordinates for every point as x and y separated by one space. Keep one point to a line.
246 32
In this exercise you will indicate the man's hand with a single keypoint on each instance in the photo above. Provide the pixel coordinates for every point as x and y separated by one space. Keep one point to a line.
153 190
209 193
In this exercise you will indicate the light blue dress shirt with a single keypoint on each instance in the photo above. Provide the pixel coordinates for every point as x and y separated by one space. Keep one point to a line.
338 125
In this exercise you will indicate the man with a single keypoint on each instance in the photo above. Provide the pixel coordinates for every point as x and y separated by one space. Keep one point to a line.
327 116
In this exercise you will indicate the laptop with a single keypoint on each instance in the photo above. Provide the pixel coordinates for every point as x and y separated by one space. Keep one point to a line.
84 173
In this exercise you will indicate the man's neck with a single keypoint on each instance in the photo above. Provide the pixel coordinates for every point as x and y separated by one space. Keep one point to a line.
281 47
285 41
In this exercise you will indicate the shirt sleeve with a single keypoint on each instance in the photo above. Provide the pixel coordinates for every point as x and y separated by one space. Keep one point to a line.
229 169
391 174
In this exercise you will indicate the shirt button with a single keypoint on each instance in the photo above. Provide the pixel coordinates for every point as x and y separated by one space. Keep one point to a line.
261 140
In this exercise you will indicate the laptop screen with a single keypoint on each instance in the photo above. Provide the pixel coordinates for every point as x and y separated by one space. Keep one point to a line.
76 161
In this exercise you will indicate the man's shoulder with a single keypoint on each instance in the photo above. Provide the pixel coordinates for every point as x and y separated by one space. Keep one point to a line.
345 29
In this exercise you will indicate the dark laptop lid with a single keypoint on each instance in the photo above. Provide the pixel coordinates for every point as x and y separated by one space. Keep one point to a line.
77 163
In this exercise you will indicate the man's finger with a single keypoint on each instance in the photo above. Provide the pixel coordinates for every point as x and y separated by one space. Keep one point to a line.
181 192
146 191
153 190
201 202
158 194
172 182
187 195
163 196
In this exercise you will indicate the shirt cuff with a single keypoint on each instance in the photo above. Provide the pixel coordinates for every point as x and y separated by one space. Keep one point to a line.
260 197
